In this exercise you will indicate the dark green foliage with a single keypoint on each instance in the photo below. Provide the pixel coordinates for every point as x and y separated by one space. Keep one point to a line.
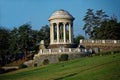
93 20
21 39
4 45
44 34
109 29
22 66
35 65
103 53
63 57
116 51
4 40
45 62
24 36
99 26
108 52
25 39
89 20
13 48
77 38
2 71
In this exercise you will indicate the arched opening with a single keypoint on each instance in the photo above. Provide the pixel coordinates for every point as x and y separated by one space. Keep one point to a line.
55 31
61 32
67 32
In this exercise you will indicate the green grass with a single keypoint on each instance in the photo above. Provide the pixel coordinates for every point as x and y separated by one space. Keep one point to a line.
89 68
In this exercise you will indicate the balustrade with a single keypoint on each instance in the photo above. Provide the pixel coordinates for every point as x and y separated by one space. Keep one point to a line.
99 41
59 50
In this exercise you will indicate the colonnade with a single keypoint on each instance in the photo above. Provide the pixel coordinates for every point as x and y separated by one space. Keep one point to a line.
61 33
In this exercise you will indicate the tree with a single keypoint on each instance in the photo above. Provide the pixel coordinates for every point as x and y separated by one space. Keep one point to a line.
93 20
44 34
4 40
4 45
24 38
89 18
109 29
77 39
34 39
100 16
13 48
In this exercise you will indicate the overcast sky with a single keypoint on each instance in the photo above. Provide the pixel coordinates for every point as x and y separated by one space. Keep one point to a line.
14 13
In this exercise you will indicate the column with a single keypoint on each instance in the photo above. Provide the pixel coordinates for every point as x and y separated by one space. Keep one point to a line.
64 31
58 33
50 33
53 33
70 33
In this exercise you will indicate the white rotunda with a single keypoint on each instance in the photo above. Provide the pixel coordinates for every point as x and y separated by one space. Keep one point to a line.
61 29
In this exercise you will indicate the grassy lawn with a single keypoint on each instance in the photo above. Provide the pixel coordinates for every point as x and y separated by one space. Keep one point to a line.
89 68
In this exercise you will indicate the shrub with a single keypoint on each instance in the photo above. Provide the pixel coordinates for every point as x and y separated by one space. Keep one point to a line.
116 51
63 57
108 52
45 62
22 66
35 65
2 71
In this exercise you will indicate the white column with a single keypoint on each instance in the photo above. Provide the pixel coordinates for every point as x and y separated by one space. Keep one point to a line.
64 31
70 33
58 33
52 33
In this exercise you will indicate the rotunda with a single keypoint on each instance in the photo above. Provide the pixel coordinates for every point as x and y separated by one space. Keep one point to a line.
61 29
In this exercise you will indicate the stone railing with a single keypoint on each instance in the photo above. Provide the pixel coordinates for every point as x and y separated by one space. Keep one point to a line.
99 41
61 41
60 50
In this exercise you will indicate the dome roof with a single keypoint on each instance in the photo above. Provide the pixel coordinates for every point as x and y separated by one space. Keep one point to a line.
61 14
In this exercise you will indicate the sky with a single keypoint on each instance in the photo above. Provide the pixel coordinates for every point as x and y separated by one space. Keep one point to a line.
14 13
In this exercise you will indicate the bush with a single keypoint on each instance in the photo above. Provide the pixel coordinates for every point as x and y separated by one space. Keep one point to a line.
22 66
2 71
117 51
45 62
104 53
108 52
35 65
63 57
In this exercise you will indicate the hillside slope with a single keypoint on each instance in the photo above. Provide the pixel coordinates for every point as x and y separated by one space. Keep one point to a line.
89 68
